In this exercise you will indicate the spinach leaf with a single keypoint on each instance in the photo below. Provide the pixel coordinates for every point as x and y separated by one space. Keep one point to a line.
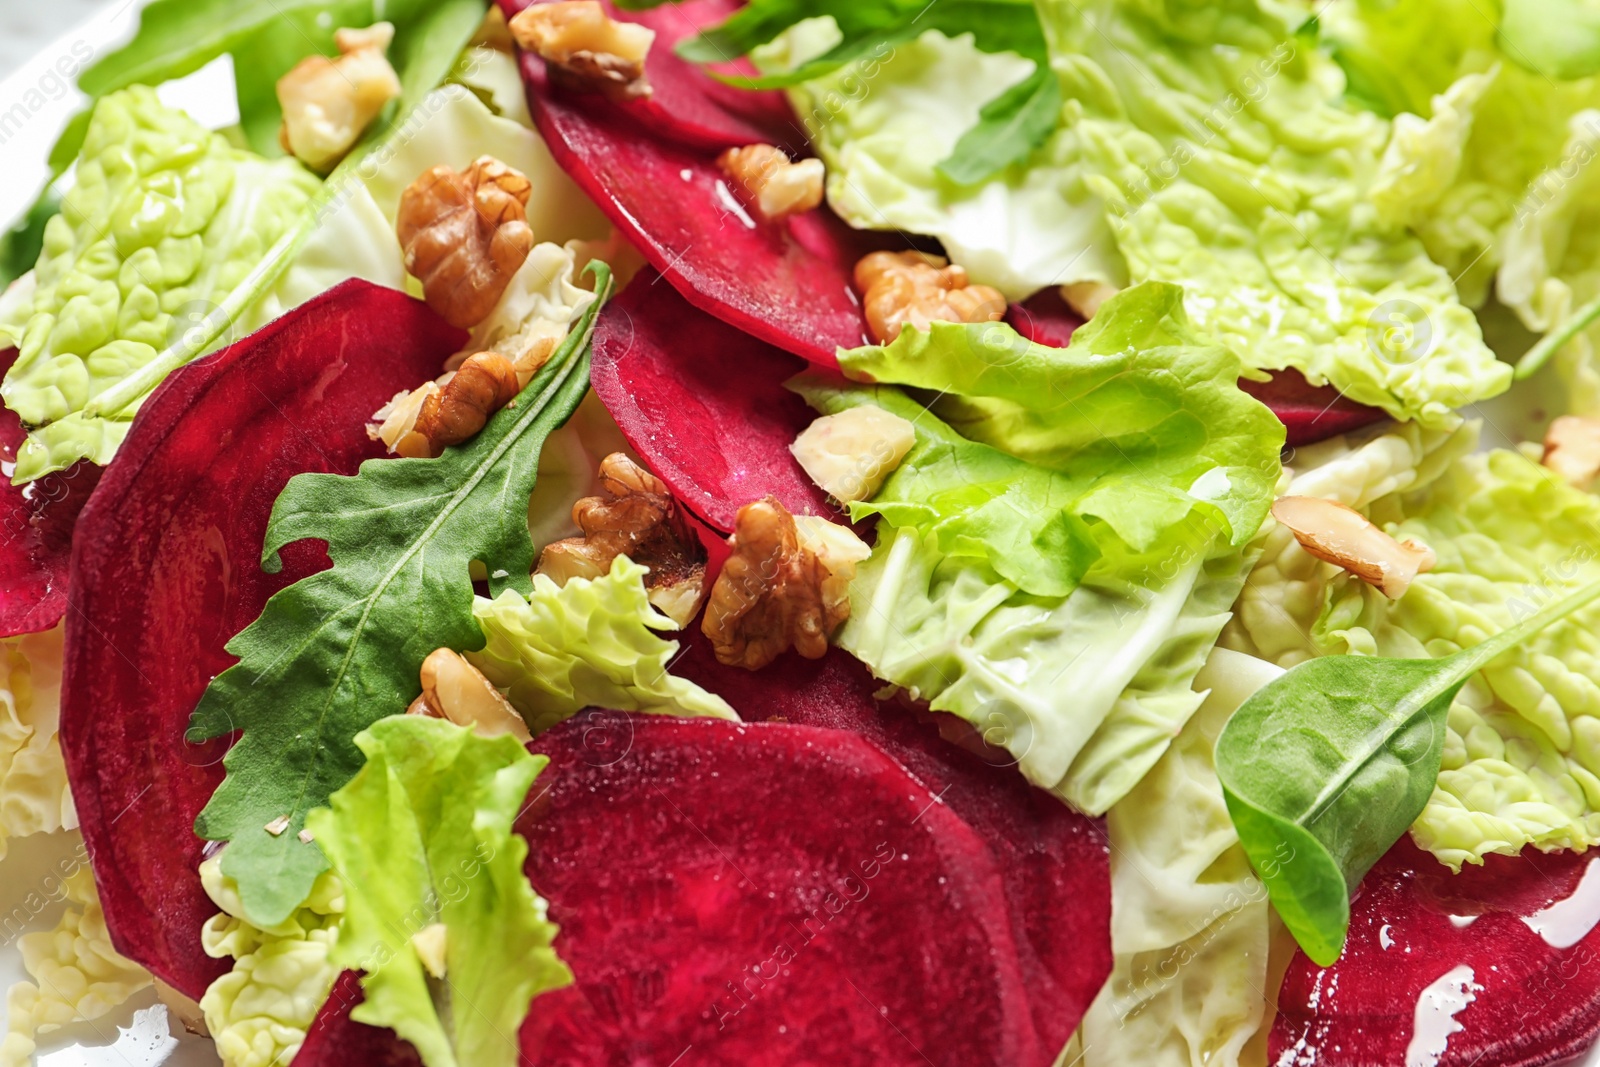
1325 767
333 653
1011 126
20 246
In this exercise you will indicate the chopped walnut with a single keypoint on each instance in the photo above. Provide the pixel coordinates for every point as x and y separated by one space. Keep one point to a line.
454 689
585 48
850 454
1343 536
785 584
329 103
770 183
435 415
638 518
1572 449
912 288
1086 297
465 234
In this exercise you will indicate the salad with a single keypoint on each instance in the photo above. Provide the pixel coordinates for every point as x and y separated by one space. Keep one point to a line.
992 532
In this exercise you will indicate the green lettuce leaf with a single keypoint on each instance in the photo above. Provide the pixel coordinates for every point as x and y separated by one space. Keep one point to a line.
589 643
148 242
1140 418
335 652
1189 918
452 941
1085 691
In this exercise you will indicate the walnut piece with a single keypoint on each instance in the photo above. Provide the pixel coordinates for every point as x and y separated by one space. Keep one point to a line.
766 180
437 414
465 234
1086 297
913 288
586 49
850 454
1343 536
454 689
1572 449
329 103
635 517
784 585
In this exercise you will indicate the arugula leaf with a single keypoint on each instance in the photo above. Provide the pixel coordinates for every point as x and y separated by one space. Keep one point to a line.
341 649
422 839
1012 125
1325 767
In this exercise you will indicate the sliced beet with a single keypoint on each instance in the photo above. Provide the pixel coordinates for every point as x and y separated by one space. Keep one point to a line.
1045 318
1310 412
702 403
786 282
1053 861
1422 940
36 523
686 103
766 895
336 1040
166 569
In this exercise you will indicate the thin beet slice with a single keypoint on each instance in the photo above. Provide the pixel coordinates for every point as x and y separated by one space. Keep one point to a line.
36 523
166 568
768 895
1053 861
703 403
1517 936
336 1040
787 283
1044 318
686 103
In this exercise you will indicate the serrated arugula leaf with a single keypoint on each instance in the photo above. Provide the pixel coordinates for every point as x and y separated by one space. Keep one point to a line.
1012 125
335 652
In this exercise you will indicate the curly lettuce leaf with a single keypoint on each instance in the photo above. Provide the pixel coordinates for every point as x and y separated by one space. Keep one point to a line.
77 974
33 779
452 941
1140 415
1085 691
589 643
260 1011
1189 918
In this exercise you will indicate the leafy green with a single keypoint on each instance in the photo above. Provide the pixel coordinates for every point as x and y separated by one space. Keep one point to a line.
588 643
1552 38
335 652
21 245
1325 767
1139 419
1013 125
422 839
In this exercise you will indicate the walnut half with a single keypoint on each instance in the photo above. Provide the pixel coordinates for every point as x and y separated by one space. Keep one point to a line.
635 517
785 584
329 103
770 183
1572 449
911 288
585 48
1343 536
454 689
438 414
464 234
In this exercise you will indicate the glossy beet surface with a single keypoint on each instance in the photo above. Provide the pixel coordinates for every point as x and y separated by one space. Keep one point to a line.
703 403
1497 965
767 895
166 568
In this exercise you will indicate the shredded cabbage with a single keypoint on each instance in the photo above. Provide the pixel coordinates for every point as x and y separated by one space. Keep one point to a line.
33 780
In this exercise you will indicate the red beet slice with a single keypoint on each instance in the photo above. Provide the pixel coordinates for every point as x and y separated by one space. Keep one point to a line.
336 1040
686 103
1310 412
786 282
1044 318
1535 998
1053 861
166 569
702 403
767 895
35 531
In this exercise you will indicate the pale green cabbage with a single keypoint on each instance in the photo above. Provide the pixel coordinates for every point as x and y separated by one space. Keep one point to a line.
165 220
451 940
589 643
33 780
1522 755
260 1011
1189 918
